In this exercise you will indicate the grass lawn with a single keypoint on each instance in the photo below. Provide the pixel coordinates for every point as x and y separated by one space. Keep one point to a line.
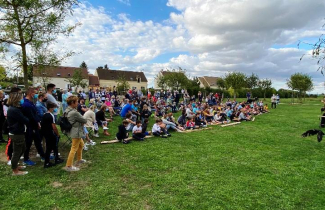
256 165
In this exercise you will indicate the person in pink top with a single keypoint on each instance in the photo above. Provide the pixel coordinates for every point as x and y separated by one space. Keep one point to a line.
109 108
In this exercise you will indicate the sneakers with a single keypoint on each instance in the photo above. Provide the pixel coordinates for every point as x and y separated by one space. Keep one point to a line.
20 173
9 163
80 162
85 147
125 142
164 136
96 135
105 128
29 163
169 135
48 165
72 168
91 142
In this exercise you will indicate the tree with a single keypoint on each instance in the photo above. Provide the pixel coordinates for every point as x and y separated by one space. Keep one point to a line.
173 79
77 80
32 25
3 73
264 84
44 74
221 83
235 80
83 65
252 81
122 83
301 83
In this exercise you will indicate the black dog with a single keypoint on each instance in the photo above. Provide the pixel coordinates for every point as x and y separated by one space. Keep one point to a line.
313 132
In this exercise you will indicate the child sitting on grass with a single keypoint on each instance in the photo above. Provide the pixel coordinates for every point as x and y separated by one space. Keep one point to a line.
128 118
200 121
137 131
159 130
122 134
190 124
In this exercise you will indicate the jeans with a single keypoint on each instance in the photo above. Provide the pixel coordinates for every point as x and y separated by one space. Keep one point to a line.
273 105
76 147
64 107
170 126
19 146
30 135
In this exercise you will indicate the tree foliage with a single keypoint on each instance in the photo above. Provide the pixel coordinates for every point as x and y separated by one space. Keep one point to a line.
83 65
32 25
3 73
174 79
265 84
252 81
122 83
301 83
235 80
77 80
221 83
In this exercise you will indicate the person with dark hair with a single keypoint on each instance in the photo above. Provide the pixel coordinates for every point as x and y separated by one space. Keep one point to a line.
137 131
82 107
40 105
32 132
122 133
51 134
51 99
17 125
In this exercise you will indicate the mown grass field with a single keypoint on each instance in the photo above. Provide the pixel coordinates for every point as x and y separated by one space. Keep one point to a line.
256 165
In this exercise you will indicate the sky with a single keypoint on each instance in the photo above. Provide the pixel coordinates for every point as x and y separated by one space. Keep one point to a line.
205 37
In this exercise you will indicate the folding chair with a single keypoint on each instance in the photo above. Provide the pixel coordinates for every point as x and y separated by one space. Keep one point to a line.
68 141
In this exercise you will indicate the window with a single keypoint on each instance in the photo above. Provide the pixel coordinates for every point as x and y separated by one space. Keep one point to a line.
138 79
58 74
69 74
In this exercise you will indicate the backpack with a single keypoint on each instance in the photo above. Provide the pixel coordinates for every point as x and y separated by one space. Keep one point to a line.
64 123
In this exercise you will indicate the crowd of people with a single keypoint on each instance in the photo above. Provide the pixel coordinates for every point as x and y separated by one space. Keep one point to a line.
34 115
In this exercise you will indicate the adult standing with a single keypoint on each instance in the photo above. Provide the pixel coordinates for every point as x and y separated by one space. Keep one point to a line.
40 105
33 127
17 124
65 95
91 94
76 133
273 101
200 96
277 99
51 99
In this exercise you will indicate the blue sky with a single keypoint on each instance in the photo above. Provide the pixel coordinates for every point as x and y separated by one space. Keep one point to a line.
155 10
205 37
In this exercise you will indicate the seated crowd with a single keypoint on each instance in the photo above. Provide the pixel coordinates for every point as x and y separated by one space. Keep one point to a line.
32 116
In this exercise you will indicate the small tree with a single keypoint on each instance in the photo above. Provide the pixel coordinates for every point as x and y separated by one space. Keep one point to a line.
3 73
301 83
161 81
122 83
77 80
235 80
265 85
252 81
221 83
83 65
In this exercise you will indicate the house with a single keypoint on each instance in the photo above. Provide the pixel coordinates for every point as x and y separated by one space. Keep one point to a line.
58 75
108 78
162 74
210 82
93 81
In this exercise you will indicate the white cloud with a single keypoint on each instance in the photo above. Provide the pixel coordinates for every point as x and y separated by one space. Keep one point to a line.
217 36
126 2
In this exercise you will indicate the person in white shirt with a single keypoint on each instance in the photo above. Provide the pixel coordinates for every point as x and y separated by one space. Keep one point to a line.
137 131
159 130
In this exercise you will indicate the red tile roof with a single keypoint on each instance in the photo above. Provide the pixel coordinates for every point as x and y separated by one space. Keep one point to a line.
59 71
108 74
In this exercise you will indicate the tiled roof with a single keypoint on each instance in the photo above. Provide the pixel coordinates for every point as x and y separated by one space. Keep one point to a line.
93 80
108 74
59 71
208 81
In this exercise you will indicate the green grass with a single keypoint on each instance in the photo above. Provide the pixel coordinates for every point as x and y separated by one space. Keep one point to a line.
256 165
